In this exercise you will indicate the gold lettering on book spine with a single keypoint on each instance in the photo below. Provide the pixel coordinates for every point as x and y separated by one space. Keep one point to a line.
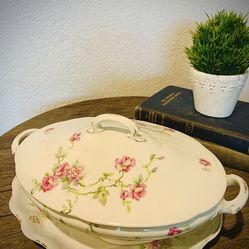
189 128
167 99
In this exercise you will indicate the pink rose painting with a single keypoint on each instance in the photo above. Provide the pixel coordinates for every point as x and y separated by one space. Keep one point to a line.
204 162
62 170
71 177
125 195
125 163
156 244
75 137
65 173
138 191
48 183
75 174
174 231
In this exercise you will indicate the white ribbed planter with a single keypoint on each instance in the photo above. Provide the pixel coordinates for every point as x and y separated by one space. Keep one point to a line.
216 95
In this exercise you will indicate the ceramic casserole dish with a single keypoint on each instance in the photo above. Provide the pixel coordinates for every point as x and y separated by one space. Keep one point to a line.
123 180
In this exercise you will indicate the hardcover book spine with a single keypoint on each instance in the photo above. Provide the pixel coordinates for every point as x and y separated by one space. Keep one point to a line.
199 131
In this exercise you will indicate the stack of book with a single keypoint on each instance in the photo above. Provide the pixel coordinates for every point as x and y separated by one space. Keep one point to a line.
227 138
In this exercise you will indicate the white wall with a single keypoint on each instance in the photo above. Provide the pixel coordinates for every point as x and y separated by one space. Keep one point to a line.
57 52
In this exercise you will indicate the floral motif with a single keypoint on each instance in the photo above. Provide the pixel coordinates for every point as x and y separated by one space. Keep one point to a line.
205 164
39 215
71 177
75 137
137 191
156 244
125 163
125 194
48 183
174 231
62 170
167 242
64 173
34 219
75 174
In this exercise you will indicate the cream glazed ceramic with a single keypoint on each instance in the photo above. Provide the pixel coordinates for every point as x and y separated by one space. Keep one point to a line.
216 95
125 171
38 227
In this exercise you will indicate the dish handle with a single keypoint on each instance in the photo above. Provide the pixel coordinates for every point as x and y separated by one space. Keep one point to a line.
233 206
19 138
118 121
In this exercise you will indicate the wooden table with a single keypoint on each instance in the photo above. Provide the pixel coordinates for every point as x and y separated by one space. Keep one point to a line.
235 232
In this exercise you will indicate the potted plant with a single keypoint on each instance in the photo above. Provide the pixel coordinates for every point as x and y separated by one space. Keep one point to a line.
219 57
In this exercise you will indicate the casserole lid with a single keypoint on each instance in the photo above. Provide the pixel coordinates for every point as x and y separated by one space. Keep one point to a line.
113 171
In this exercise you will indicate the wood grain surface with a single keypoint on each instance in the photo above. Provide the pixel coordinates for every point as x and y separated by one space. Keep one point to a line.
235 231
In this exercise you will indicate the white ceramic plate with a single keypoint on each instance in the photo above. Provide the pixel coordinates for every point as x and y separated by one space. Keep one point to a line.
37 227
